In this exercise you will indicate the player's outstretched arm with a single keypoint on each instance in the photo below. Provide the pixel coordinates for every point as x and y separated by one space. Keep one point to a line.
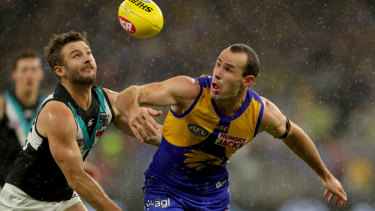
178 92
275 123
56 122
153 133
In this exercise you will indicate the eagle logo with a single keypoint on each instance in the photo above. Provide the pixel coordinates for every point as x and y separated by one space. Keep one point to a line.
198 159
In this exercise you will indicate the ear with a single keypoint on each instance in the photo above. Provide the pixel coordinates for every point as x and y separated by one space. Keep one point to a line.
59 71
14 75
248 80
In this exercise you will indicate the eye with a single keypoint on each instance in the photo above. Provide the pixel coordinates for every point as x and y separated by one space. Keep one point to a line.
228 69
76 56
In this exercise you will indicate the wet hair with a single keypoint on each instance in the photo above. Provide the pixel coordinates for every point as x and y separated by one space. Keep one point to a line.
252 64
53 49
24 54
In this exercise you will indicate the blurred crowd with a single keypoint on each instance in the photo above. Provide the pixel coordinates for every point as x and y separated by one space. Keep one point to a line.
317 65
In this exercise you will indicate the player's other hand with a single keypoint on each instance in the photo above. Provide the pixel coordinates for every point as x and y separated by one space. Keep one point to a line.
333 190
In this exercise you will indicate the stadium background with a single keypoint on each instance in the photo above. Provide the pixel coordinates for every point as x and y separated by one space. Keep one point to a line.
317 65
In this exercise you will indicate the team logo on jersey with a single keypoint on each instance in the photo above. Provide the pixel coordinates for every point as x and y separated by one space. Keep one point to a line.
198 159
103 119
81 142
230 141
197 130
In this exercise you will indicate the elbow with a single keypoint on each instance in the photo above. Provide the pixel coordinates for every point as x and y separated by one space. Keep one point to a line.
74 179
72 182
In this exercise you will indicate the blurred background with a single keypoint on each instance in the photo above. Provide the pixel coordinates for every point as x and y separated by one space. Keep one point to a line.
317 65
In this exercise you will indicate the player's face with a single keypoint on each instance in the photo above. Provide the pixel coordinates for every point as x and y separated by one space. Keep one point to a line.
227 80
28 74
80 66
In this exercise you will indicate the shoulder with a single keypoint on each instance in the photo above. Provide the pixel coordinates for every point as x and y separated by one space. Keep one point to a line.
184 81
204 80
272 116
185 84
55 116
112 95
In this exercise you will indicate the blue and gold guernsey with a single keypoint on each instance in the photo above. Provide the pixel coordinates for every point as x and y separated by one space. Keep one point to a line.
196 145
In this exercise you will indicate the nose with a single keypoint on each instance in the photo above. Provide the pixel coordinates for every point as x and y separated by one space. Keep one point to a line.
88 59
217 73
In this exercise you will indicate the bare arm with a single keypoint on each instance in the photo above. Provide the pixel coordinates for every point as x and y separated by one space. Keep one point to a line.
179 92
152 137
274 123
56 122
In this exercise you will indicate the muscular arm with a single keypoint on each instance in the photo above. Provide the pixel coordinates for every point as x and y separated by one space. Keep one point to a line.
121 122
56 122
274 123
178 92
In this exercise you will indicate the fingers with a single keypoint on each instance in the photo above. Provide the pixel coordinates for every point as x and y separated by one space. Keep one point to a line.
153 112
340 197
135 128
143 125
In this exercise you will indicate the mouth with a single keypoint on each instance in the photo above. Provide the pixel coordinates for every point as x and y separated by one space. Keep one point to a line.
88 68
215 87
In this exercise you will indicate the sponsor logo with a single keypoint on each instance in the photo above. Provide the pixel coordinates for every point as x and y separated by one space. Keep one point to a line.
230 141
127 25
99 133
90 122
159 203
222 128
142 4
74 195
197 130
221 183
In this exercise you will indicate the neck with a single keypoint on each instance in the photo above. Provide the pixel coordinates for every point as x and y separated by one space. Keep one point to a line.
26 97
231 107
81 94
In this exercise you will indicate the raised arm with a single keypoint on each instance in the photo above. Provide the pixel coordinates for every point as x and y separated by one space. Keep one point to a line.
56 122
275 123
153 136
178 92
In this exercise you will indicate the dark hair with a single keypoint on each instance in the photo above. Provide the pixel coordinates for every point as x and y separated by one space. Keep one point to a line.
252 65
23 54
53 49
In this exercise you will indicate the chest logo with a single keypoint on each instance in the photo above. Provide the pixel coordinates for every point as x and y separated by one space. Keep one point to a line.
197 130
230 141
103 119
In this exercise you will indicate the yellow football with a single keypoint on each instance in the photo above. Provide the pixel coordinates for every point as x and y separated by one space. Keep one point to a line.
140 18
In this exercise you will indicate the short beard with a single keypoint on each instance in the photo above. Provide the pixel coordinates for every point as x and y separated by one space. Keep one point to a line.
83 81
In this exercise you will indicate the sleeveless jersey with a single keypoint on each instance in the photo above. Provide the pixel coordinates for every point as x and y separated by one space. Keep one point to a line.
14 127
196 145
35 171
